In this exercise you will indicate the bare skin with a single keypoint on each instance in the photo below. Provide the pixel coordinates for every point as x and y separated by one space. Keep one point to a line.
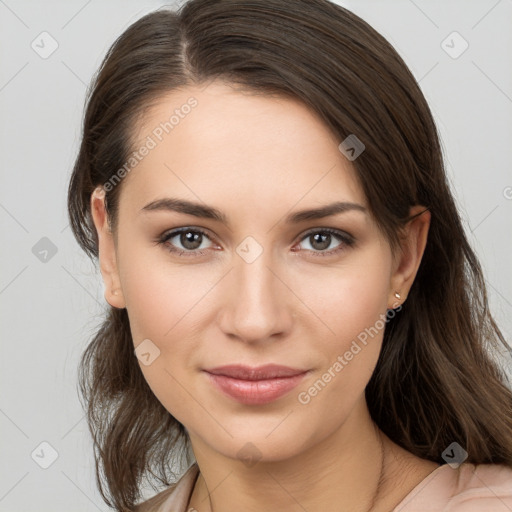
401 473
258 160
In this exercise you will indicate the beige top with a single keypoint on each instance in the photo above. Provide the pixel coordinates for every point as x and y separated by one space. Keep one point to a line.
469 488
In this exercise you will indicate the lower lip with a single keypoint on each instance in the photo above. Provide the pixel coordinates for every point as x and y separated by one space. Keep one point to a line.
255 392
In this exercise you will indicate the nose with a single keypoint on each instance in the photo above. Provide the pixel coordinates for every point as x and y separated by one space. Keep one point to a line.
257 305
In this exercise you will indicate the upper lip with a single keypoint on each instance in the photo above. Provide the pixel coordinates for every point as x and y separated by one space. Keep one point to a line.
268 371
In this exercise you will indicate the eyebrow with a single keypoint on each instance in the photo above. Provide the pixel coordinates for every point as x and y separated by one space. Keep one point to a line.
209 212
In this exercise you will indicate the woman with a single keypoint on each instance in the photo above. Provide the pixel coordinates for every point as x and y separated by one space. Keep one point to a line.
296 317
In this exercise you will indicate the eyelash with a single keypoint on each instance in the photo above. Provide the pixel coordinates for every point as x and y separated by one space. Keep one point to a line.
346 239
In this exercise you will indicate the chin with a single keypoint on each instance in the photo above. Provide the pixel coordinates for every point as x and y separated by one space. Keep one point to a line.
260 447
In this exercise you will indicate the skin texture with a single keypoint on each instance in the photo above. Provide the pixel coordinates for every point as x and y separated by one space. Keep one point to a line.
257 159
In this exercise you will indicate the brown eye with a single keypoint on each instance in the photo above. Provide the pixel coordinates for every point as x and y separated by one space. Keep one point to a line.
326 241
186 240
320 241
191 239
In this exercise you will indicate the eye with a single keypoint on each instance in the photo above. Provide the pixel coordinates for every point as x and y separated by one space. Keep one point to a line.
319 240
186 241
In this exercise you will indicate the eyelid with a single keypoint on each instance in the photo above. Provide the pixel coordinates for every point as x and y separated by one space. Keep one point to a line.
333 231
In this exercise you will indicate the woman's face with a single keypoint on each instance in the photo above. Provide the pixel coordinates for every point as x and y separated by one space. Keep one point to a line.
255 283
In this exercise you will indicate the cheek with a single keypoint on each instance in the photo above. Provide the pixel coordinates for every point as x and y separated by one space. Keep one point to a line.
350 305
162 302
346 300
348 362
160 294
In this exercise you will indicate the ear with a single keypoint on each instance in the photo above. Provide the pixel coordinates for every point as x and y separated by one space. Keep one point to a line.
107 251
408 257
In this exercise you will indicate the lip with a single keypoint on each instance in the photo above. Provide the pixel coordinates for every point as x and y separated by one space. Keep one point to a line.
255 385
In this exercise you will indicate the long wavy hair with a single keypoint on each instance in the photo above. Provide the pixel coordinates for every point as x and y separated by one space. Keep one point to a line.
436 380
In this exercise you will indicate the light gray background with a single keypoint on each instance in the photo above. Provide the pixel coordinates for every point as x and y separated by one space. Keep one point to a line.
50 309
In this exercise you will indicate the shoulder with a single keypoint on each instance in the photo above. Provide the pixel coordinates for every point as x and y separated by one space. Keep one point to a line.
467 488
175 498
482 487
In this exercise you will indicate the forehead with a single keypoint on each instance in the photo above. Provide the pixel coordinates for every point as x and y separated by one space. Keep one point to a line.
228 146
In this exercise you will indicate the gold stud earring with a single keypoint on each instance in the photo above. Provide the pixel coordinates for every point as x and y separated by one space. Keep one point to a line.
398 296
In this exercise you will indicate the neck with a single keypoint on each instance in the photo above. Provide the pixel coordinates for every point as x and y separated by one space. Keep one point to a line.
344 472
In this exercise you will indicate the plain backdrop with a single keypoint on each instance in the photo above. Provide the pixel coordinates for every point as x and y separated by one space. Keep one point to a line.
51 295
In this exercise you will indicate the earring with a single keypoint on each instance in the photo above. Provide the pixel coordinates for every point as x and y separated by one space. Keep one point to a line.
398 296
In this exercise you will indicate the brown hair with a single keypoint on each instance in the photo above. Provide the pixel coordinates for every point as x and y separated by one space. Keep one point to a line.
435 381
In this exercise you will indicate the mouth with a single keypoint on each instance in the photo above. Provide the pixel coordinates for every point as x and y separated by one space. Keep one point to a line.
255 385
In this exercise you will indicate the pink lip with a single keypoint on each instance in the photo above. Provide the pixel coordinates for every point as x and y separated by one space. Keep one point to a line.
255 386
